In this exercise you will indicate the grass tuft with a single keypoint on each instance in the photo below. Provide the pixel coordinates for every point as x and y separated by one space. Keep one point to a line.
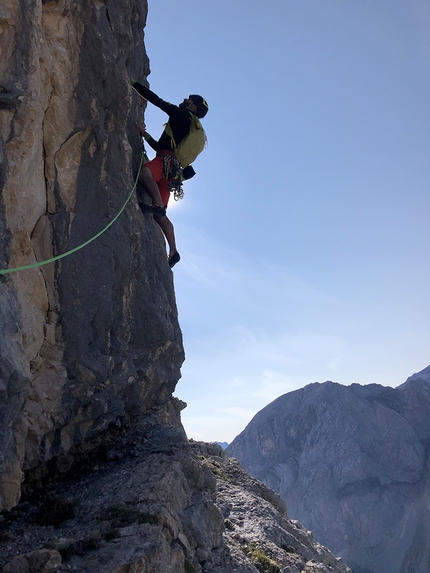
263 563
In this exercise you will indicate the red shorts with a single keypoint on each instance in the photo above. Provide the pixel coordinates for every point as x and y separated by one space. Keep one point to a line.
157 170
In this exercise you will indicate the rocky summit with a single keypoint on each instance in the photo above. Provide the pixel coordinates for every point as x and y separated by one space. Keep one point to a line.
97 474
352 463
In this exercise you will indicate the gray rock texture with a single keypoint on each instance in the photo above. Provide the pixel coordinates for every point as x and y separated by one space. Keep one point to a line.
91 342
352 464
159 505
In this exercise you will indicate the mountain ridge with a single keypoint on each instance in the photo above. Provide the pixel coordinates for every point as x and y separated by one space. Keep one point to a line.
351 462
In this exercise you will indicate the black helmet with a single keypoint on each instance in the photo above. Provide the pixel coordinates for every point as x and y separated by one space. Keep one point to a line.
202 106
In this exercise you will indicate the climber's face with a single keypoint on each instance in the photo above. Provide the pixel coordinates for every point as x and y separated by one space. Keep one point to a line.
188 104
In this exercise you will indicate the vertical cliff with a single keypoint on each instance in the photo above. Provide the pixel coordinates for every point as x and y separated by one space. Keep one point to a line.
91 342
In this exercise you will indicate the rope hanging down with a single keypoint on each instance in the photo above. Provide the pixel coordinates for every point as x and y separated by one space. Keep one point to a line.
40 263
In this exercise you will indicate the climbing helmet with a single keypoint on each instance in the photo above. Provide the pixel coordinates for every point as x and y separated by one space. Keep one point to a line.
202 106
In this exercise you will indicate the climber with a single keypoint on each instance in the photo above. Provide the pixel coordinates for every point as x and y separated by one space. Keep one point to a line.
186 172
158 175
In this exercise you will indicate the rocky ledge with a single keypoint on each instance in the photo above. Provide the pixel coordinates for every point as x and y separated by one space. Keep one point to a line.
165 505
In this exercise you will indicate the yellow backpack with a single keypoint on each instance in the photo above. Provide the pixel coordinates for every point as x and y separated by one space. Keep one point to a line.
192 144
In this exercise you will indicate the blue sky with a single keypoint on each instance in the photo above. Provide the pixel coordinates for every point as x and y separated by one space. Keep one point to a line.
305 234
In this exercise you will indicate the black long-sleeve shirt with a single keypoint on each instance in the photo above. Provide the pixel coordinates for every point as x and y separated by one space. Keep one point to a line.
179 119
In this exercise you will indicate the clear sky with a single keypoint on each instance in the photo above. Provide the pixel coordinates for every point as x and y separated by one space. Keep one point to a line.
305 234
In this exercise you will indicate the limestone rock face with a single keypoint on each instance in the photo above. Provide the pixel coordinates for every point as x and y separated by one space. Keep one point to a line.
92 341
352 464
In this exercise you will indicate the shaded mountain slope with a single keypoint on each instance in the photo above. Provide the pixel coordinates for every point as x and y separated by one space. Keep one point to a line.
352 464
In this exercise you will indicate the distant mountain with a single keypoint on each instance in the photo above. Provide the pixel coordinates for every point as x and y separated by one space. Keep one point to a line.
352 463
222 444
423 375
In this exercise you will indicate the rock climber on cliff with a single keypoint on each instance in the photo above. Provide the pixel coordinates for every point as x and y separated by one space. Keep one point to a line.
159 175
186 173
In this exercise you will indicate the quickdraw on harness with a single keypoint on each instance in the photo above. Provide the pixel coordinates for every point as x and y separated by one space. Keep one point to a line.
172 171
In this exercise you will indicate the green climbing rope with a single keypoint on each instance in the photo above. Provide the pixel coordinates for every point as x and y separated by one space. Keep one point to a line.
40 263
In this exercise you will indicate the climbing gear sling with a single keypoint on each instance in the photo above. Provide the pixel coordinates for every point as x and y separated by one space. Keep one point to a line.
173 173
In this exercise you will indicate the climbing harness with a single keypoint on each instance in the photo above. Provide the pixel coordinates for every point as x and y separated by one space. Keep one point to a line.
173 173
40 263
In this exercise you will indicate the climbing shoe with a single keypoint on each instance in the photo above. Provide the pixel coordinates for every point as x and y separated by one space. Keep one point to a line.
174 259
154 209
